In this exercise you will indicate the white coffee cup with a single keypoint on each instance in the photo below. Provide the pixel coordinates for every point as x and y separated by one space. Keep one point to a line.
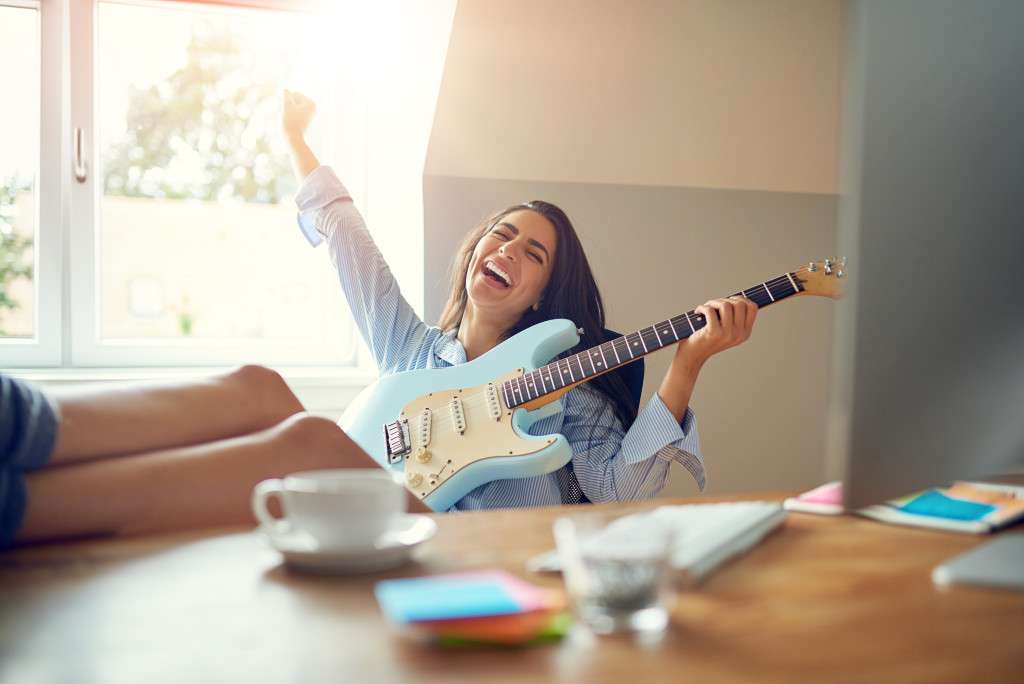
339 508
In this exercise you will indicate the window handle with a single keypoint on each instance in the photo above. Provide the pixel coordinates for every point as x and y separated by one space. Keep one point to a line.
80 171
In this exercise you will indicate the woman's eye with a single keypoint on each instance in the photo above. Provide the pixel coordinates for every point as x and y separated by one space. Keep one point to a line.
535 256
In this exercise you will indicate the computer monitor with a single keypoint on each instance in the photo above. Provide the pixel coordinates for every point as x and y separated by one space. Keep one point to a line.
928 374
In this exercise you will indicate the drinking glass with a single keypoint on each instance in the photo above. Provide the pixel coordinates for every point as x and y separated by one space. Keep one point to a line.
618 574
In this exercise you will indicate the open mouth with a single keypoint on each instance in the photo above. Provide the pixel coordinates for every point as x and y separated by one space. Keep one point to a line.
497 274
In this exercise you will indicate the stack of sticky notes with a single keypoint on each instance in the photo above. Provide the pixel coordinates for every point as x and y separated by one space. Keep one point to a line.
478 607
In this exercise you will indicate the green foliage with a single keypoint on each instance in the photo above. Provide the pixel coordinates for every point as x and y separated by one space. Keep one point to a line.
14 249
204 132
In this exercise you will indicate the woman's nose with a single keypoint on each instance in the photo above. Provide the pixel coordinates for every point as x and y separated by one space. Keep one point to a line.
507 251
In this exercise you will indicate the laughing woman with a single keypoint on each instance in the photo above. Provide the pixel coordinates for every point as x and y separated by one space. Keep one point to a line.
522 266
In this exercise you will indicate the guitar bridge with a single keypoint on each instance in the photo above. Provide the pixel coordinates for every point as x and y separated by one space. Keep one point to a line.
396 440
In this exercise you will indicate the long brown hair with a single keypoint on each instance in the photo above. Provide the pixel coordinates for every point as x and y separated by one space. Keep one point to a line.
571 293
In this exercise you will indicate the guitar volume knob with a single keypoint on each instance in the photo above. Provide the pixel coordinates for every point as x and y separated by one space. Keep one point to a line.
413 479
423 454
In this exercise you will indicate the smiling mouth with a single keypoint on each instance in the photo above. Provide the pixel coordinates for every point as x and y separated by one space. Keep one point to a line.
497 274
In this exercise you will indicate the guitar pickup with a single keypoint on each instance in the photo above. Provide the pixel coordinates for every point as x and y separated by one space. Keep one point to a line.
396 440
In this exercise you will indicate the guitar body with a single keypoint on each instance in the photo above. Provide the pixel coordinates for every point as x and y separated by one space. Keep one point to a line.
455 461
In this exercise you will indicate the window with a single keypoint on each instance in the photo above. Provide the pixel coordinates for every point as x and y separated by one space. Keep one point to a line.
148 217
19 166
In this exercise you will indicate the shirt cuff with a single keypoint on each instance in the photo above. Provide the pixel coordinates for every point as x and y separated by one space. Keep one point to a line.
319 189
656 426
657 432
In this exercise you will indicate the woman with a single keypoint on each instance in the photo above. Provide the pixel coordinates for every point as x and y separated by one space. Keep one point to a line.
153 456
523 266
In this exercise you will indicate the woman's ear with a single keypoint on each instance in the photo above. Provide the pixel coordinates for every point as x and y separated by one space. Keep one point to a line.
536 307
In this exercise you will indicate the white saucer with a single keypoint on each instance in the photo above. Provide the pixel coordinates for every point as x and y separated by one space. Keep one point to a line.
391 550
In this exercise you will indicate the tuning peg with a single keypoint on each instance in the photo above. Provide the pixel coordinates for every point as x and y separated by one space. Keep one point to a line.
813 267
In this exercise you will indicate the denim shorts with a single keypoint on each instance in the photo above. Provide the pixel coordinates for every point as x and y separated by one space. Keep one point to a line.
28 433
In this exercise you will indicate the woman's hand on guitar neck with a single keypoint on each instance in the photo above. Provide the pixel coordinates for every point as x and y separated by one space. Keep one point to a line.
729 323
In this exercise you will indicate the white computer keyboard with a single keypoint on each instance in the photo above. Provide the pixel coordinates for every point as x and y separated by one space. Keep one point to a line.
708 534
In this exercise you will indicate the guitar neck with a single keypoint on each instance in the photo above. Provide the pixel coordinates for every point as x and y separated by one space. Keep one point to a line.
557 376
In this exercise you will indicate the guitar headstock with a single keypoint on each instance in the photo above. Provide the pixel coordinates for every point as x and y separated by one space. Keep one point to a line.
823 278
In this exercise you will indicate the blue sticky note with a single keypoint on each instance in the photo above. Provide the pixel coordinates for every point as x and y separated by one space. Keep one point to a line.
938 505
441 598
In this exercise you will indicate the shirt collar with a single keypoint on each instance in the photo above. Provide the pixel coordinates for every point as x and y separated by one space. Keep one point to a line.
449 350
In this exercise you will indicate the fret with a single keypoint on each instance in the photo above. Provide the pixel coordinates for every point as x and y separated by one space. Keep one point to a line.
770 296
756 295
692 329
640 334
649 336
604 361
676 323
517 394
568 369
657 336
783 287
523 393
629 347
593 369
582 374
539 382
551 379
618 361
506 390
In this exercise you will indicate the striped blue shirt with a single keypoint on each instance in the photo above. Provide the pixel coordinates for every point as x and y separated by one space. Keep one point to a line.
609 464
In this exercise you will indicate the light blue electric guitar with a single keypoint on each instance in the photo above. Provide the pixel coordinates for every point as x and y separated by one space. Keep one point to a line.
443 443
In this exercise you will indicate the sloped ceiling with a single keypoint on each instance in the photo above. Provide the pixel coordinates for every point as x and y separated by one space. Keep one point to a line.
729 94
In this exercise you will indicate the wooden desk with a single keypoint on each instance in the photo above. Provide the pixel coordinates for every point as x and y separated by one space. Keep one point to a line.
824 599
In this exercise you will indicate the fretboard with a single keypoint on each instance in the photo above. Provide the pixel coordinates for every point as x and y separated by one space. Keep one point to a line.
621 350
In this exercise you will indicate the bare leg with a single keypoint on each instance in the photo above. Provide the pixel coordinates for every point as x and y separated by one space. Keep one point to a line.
134 418
205 485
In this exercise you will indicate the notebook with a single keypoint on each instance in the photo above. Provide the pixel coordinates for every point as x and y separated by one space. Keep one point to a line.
711 534
972 507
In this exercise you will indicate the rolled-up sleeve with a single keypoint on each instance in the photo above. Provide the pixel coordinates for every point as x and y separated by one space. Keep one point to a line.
393 332
612 466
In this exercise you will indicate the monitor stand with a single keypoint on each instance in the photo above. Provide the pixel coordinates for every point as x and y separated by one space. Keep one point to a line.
997 563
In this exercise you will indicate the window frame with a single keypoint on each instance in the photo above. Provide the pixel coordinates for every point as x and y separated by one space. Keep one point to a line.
45 347
68 228
64 334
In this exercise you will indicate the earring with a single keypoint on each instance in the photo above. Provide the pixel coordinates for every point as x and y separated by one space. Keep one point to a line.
536 307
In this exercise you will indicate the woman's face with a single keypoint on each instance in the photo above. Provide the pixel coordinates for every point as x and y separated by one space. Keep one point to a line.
511 265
